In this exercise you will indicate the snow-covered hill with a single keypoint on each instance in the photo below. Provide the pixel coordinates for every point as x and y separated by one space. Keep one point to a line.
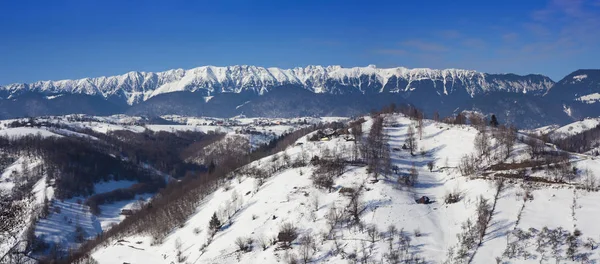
135 87
574 128
521 227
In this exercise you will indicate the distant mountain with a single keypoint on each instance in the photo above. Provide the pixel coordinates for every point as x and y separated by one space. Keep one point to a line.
135 87
578 94
580 85
528 101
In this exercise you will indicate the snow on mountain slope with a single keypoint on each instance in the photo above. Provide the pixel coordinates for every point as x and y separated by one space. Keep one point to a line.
135 87
258 212
11 179
24 131
575 128
590 98
70 220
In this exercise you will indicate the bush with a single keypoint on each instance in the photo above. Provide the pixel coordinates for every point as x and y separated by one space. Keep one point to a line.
263 242
418 232
243 244
452 197
430 165
287 234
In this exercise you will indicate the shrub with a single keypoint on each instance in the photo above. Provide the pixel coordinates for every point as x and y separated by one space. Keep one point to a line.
418 232
452 197
287 234
243 244
430 165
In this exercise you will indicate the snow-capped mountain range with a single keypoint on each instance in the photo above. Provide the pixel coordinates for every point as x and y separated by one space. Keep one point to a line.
524 100
136 87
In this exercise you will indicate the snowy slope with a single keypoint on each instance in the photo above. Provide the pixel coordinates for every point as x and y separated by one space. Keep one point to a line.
288 197
23 131
66 216
135 87
575 128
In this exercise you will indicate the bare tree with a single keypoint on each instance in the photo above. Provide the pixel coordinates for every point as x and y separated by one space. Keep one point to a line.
178 251
477 121
482 143
373 233
243 244
590 181
411 141
355 206
468 165
315 201
506 137
534 146
414 175
333 217
460 119
307 248
420 125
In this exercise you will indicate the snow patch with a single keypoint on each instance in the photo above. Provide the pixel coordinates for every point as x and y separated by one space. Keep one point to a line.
50 97
567 110
590 98
25 131
580 77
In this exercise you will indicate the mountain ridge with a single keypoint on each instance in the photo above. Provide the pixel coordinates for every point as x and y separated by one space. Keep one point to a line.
135 87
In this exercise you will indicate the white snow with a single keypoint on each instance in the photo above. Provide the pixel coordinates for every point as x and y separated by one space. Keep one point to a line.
8 178
140 86
50 97
288 195
590 98
24 131
68 215
580 77
575 128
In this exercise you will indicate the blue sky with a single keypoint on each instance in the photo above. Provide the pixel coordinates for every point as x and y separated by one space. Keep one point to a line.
51 40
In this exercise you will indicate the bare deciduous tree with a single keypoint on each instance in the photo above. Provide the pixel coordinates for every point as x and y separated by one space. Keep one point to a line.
308 247
482 143
411 140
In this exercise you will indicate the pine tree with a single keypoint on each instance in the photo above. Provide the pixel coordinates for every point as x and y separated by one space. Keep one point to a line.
214 223
494 121
211 167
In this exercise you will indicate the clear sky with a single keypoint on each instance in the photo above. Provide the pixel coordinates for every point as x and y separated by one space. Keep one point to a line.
51 40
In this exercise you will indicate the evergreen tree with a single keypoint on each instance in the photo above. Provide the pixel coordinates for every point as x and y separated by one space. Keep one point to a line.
211 166
214 223
494 121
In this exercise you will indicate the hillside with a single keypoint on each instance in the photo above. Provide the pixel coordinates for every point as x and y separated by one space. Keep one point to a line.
67 179
507 202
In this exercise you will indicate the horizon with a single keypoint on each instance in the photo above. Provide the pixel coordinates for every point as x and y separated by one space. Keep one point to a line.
49 41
